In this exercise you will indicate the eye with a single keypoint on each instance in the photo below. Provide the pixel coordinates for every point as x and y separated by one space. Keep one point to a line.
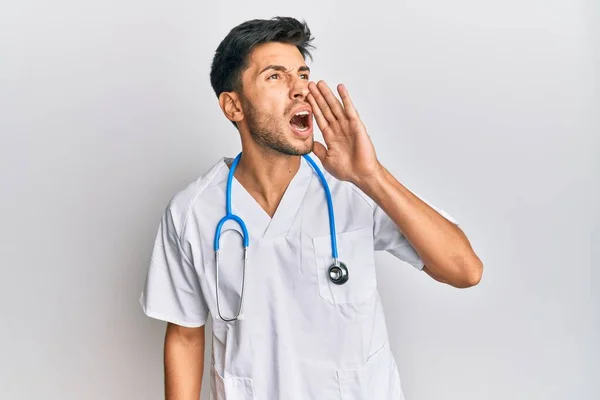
304 76
274 76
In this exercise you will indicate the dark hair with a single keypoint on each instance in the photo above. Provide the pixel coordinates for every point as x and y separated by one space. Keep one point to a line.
231 57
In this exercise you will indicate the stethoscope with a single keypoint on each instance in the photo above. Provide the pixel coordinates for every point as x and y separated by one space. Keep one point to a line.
338 272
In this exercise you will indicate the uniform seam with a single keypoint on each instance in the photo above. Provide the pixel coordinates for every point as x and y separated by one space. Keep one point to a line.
362 195
201 186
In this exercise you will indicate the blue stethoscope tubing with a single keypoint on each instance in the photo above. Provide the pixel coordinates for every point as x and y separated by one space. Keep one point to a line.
338 272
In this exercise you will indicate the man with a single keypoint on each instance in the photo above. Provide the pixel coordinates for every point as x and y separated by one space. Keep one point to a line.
303 335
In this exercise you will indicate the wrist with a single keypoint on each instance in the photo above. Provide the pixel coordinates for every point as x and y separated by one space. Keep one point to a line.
373 183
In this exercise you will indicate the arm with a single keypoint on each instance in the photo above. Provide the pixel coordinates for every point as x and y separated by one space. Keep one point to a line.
184 362
444 248
350 156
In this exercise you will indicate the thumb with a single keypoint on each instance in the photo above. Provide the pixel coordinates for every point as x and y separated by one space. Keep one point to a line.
320 151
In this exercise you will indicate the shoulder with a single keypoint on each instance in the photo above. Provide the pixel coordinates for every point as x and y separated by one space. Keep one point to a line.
344 188
181 204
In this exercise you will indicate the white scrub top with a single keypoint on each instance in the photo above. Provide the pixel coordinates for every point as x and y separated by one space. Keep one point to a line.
303 337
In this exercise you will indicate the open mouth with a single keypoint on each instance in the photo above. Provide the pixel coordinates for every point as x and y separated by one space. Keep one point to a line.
300 121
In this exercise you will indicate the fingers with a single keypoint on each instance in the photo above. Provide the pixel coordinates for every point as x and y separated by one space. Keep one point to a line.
332 101
348 106
319 117
328 104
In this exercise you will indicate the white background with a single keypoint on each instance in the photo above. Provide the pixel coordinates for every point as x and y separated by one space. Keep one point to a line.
488 109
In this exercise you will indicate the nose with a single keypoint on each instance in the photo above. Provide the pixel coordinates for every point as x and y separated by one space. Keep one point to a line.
299 89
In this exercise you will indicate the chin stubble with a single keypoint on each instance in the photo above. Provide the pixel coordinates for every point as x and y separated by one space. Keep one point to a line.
263 129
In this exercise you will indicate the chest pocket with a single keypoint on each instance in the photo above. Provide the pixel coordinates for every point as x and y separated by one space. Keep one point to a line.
356 251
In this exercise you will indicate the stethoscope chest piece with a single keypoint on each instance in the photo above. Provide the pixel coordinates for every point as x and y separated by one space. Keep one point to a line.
338 273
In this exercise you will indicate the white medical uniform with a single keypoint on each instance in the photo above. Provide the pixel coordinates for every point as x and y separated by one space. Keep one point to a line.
303 337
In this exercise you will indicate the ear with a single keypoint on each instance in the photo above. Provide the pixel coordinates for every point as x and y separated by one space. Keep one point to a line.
232 106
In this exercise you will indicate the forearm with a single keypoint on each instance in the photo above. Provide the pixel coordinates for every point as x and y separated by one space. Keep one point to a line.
184 365
442 246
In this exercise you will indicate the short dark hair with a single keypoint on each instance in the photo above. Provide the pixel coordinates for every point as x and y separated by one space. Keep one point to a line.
231 57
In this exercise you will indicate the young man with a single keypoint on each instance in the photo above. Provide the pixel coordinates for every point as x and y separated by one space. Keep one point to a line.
307 332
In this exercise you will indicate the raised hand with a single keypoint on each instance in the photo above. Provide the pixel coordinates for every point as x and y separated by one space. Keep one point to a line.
349 155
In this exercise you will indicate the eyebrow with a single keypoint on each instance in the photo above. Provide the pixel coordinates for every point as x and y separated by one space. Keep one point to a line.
283 69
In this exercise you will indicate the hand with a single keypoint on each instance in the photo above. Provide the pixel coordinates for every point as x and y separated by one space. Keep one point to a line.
349 155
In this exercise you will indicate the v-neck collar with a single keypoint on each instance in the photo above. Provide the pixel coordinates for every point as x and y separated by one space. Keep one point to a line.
258 222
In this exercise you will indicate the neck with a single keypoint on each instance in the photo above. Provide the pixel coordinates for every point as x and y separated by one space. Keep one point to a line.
266 174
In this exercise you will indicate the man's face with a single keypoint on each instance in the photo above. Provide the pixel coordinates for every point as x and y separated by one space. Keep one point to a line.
275 86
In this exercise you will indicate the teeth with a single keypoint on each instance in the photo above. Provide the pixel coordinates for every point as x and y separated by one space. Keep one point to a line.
302 113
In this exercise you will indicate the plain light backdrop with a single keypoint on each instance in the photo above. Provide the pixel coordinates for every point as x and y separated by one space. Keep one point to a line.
488 109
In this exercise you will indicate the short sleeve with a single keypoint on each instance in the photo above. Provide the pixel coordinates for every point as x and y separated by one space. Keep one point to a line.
172 290
388 237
